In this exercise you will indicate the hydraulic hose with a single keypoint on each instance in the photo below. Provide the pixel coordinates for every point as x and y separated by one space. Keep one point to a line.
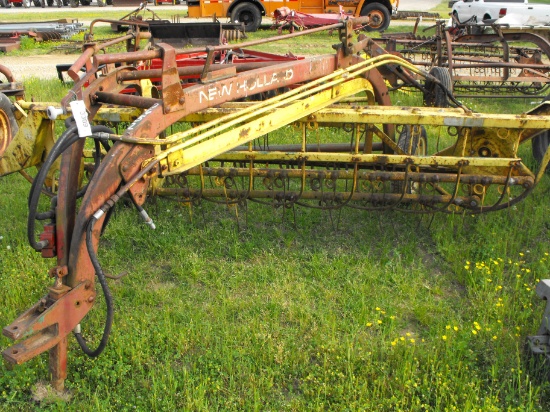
97 158
68 138
106 293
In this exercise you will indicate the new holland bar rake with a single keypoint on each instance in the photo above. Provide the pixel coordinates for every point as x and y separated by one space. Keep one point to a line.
316 132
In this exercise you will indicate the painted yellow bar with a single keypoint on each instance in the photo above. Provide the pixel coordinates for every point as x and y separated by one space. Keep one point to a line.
404 115
221 139
381 159
338 114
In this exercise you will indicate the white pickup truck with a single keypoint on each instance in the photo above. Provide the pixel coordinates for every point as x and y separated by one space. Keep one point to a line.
489 11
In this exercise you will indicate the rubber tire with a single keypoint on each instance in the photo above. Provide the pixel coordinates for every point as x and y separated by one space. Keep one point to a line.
248 14
85 2
74 3
417 147
17 4
455 20
380 11
436 96
6 106
109 2
36 3
539 144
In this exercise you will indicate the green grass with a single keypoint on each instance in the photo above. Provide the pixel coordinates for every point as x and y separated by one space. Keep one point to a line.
442 8
351 311
316 43
377 315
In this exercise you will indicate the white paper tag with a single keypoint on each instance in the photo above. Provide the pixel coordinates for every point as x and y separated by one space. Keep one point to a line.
81 118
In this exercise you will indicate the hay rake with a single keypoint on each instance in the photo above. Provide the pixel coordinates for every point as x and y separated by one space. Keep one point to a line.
501 64
318 132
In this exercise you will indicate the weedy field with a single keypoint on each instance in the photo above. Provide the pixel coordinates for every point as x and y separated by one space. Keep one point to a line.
322 311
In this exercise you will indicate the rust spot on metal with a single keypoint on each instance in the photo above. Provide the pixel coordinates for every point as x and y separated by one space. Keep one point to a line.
244 133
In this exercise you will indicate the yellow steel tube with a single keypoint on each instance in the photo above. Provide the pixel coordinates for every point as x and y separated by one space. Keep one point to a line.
428 161
182 157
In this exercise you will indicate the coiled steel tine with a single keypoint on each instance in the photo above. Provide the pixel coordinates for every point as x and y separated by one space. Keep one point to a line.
504 191
442 209
455 192
391 206
344 203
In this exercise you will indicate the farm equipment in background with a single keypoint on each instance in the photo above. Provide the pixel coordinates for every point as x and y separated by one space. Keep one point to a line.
503 64
250 12
12 33
187 33
142 14
43 30
224 122
21 3
286 18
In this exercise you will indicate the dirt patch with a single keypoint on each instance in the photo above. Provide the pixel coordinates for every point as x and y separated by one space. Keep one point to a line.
44 394
42 67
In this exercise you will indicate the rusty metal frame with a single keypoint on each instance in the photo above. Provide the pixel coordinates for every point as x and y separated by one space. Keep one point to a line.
452 51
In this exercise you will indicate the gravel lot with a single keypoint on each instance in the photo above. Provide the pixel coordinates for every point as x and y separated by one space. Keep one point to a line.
36 66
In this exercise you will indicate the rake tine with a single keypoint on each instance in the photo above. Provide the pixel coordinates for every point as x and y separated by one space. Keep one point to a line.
431 221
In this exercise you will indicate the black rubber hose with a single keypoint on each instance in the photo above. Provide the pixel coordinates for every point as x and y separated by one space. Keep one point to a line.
106 292
50 214
97 158
68 138
58 142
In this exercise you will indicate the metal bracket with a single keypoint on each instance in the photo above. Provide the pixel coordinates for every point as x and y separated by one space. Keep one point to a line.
47 323
540 343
